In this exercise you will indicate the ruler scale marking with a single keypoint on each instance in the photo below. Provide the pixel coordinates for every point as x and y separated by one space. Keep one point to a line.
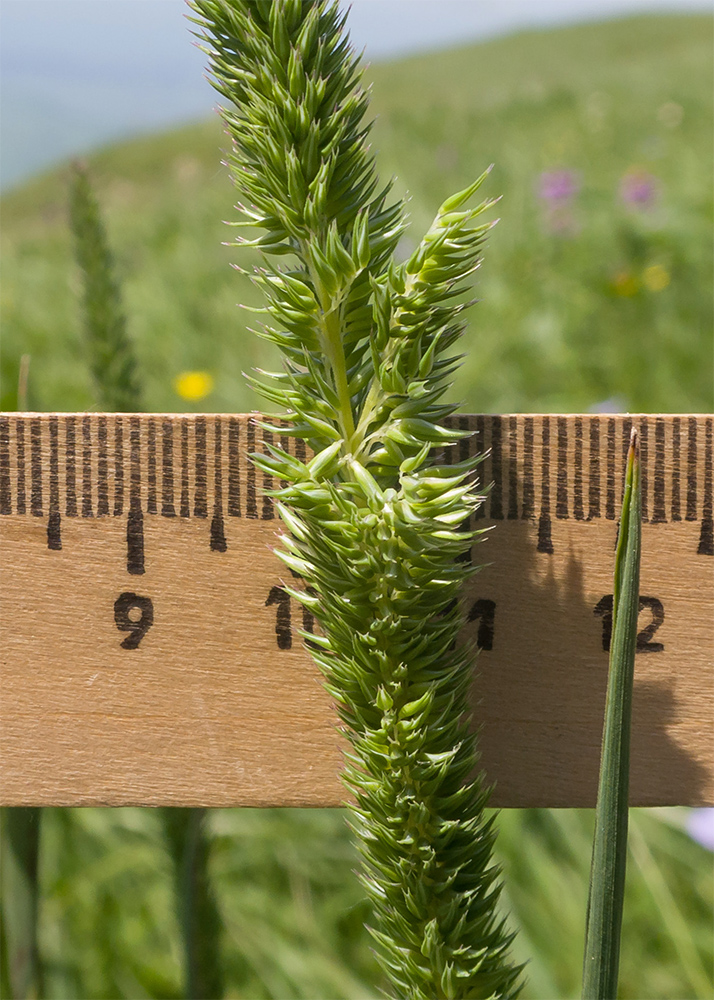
578 505
5 487
545 541
20 503
676 510
87 510
234 509
218 534
553 476
185 502
528 509
167 468
692 470
610 471
200 504
54 537
706 537
102 469
644 465
151 500
118 467
251 503
35 468
561 501
659 514
135 521
594 471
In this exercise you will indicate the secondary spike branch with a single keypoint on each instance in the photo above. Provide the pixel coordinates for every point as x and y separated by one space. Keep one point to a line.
374 520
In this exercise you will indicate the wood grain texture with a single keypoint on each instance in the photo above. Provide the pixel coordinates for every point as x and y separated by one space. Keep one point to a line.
105 519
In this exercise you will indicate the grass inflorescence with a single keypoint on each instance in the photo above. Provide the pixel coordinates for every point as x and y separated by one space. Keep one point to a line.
377 524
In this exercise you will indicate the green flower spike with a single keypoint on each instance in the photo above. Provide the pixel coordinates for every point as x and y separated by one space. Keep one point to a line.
375 519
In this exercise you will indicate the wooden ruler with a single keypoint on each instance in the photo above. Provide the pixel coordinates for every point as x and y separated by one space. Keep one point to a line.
149 652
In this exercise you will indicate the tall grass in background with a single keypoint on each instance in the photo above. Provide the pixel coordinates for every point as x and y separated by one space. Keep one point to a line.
605 168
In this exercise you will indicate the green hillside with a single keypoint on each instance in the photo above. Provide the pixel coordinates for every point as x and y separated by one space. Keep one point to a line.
583 298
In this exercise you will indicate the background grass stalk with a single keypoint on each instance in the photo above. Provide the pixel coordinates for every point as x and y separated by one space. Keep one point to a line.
113 365
609 858
19 957
184 830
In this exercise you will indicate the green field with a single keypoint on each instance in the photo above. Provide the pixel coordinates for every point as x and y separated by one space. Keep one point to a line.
566 320
600 292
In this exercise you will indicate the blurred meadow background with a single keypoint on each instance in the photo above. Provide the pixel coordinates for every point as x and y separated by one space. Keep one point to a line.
596 294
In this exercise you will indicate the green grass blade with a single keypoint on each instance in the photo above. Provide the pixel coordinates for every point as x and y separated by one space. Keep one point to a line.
21 973
609 857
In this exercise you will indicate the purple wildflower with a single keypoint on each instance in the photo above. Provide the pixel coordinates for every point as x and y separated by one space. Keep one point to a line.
557 190
639 189
557 187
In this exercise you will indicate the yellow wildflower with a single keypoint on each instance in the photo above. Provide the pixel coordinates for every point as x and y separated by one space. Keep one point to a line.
655 277
193 385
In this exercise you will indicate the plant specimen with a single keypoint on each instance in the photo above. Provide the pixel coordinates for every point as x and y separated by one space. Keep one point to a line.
378 523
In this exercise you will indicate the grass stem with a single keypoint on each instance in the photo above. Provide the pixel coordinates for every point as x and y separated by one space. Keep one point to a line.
609 857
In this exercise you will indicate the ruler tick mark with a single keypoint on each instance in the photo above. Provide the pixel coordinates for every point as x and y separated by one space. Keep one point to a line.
545 541
151 506
234 468
251 504
167 469
594 471
644 464
87 467
528 509
118 467
20 444
561 502
135 520
54 537
578 508
706 537
5 489
659 515
36 468
185 510
102 469
692 471
610 474
218 535
200 506
676 470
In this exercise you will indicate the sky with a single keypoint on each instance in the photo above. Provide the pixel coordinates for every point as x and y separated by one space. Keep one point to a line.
75 74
